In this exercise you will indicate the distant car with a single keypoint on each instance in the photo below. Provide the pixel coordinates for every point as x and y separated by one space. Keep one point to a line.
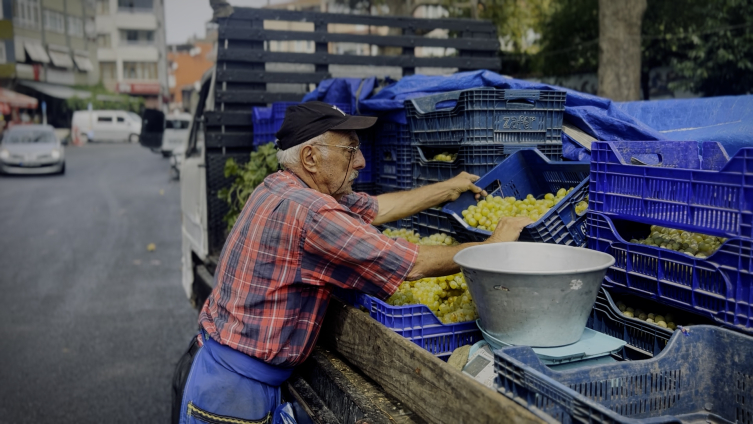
105 126
175 137
31 149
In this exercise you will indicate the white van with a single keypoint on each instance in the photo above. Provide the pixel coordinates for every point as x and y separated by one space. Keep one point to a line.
175 137
105 126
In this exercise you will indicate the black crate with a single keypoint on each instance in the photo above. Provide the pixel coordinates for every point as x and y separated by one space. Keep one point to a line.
216 181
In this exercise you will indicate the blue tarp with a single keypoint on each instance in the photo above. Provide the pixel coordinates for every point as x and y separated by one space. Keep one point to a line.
725 119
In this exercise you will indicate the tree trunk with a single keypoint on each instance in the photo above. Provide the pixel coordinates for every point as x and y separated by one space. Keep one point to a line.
620 48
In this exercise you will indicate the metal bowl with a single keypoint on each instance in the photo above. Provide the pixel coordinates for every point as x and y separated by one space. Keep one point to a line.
533 294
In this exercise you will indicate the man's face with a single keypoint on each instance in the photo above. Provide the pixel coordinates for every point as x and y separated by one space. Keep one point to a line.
340 164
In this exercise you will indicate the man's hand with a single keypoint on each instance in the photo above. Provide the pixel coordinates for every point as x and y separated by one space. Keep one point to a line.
509 228
462 183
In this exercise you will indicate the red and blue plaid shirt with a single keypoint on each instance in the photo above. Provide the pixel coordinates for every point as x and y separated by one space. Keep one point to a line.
290 247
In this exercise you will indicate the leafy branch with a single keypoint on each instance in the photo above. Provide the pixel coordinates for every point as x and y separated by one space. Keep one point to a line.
248 176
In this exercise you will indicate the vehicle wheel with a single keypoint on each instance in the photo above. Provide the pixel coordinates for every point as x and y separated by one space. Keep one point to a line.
133 138
166 154
174 173
62 170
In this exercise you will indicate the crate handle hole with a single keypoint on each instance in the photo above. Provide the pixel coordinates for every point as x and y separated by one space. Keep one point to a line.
446 104
527 103
647 159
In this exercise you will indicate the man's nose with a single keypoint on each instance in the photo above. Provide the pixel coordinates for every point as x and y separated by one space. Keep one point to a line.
360 161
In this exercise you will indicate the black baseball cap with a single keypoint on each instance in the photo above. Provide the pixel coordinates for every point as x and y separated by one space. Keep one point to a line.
307 120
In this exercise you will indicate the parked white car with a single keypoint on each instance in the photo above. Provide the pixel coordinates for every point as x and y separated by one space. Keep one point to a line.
31 149
105 126
175 137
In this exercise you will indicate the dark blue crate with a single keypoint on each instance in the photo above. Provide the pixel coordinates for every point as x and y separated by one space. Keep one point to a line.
393 157
366 175
264 125
529 172
703 375
719 287
678 184
476 160
369 188
418 324
432 221
487 116
279 109
644 340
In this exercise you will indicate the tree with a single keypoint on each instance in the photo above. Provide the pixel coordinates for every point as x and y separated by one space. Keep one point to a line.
569 38
620 48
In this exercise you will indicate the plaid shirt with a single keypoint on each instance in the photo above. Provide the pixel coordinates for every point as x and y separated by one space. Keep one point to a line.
290 247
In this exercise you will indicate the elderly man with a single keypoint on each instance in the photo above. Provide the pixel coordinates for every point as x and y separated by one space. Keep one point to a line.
302 233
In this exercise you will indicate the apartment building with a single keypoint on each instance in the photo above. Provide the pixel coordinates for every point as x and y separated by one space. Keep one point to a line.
53 41
132 50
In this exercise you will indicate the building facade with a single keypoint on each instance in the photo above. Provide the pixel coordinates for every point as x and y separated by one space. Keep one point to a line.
187 63
132 50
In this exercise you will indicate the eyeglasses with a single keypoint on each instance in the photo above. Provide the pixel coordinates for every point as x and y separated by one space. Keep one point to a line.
351 149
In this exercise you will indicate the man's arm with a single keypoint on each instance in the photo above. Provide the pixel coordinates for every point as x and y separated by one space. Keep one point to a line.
398 205
436 261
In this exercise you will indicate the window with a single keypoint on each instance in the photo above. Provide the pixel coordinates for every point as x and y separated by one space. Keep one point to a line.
103 7
104 119
26 13
3 58
75 26
140 70
121 119
107 71
54 21
136 37
103 40
137 6
177 124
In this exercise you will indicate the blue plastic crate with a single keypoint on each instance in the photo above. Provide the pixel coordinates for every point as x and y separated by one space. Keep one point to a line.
418 324
366 175
529 172
477 160
678 184
432 221
703 375
487 116
393 157
719 287
644 340
264 126
369 188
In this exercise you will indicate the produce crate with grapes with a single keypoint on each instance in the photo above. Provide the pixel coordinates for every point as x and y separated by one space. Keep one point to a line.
392 157
701 273
487 116
432 221
686 185
553 194
437 314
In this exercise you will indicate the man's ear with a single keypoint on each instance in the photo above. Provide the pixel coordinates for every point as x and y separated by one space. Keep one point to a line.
310 159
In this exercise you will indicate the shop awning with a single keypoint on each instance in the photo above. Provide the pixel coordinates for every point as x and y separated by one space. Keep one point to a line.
60 58
82 62
57 91
36 52
12 99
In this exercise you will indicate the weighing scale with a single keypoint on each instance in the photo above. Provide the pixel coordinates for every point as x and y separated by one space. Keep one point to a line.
593 348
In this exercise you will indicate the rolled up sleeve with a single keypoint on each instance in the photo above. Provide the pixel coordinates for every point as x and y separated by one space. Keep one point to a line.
344 252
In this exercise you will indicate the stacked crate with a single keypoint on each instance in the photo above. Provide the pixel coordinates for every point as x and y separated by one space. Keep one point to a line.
686 186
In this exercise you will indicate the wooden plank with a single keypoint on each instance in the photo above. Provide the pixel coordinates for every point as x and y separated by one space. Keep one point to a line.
250 13
250 75
230 140
235 33
255 96
216 118
431 388
403 61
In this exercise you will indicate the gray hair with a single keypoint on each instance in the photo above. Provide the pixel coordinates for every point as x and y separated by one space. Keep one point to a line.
291 158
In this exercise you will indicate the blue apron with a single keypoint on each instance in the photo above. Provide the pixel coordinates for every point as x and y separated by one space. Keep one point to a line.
228 386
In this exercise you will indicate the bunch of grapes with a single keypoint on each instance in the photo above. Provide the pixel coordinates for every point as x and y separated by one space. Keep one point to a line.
447 297
693 244
665 321
445 157
486 214
438 239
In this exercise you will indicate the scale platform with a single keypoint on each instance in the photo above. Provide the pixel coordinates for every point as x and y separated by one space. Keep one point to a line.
593 348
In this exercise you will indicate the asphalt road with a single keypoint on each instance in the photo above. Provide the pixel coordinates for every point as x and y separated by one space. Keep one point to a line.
91 323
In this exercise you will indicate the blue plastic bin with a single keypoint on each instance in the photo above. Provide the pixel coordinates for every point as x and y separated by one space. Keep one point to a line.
477 160
703 375
264 127
432 221
418 324
644 340
678 184
487 116
719 287
393 157
529 172
366 175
